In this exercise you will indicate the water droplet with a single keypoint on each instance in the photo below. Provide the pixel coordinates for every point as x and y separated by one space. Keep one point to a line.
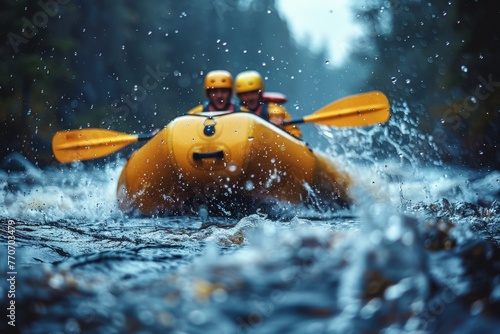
394 80
197 317
370 308
56 281
464 69
477 307
327 62
408 81
249 185
219 295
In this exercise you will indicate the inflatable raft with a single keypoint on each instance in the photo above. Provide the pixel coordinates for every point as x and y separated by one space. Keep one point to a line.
228 164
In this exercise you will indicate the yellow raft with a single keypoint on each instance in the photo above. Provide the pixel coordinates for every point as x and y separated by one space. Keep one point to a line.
230 164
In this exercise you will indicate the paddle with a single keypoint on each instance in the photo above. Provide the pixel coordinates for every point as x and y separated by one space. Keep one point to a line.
87 144
351 111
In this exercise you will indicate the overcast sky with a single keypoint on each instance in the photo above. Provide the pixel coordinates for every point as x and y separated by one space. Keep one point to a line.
322 23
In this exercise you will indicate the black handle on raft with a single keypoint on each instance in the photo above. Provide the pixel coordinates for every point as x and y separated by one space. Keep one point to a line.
208 155
293 121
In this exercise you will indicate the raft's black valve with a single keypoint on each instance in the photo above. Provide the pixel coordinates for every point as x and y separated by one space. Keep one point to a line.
209 129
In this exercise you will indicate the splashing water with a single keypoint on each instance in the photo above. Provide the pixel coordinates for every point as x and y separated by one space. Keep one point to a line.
398 140
66 193
417 253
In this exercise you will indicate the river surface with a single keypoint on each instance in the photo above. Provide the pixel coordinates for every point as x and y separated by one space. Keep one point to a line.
418 253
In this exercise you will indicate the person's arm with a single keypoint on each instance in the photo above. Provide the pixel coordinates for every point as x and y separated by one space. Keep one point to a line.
278 114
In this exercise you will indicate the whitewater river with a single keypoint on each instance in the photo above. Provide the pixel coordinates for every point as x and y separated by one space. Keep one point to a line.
417 253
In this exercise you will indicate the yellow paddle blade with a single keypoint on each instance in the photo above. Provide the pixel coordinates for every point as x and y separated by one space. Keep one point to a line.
356 110
87 144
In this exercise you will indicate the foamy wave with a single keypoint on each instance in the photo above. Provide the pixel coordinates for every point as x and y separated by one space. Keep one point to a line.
66 193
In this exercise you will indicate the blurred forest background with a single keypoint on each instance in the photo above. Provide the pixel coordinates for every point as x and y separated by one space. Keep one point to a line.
133 66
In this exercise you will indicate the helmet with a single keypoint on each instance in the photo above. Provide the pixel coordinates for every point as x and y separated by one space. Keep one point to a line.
218 79
249 81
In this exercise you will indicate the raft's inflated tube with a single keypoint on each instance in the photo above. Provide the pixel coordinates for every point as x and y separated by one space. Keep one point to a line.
245 160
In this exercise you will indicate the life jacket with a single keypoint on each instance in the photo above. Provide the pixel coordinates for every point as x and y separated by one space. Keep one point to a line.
263 111
207 106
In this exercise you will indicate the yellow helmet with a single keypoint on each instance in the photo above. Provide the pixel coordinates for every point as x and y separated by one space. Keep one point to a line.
218 79
249 81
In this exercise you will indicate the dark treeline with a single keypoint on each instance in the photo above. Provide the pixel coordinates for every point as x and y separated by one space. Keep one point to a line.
441 57
133 66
